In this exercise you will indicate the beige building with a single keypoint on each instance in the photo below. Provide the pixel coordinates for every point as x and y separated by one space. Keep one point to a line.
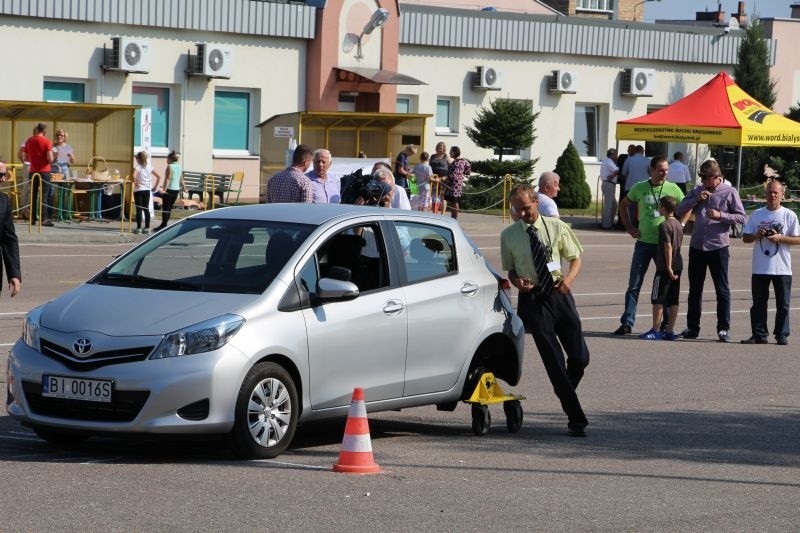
212 70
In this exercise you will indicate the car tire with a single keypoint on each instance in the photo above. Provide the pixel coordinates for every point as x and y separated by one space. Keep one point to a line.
472 380
266 414
60 437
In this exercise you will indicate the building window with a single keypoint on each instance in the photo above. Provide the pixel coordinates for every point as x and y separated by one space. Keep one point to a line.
157 100
595 5
59 91
446 115
231 121
347 102
586 129
403 105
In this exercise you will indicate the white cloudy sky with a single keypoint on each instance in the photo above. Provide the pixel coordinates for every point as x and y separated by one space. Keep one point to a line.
685 9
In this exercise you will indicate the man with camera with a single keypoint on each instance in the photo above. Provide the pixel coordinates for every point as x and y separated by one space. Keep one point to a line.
717 208
774 228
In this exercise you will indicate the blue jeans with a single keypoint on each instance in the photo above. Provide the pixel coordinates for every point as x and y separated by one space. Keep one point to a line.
782 285
716 261
643 253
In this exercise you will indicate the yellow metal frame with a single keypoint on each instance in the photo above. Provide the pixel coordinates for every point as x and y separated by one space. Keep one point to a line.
488 392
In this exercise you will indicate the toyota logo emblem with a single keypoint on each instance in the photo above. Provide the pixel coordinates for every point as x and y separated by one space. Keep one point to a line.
82 346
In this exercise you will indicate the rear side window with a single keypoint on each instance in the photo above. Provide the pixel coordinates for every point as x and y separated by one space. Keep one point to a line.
429 253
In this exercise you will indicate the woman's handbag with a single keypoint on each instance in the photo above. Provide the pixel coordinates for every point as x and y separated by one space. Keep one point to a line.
97 169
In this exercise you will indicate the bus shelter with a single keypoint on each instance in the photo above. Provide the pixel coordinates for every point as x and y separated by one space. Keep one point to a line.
101 135
102 130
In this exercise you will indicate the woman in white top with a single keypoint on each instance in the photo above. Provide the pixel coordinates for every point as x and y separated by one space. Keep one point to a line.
142 185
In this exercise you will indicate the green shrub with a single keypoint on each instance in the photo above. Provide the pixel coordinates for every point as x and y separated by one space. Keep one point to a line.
575 192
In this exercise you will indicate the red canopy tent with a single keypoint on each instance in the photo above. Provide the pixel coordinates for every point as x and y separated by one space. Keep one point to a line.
718 113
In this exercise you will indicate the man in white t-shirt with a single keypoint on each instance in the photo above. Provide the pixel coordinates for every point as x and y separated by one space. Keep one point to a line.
774 229
678 172
548 189
608 185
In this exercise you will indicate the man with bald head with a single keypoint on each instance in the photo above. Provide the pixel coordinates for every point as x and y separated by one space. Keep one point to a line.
548 189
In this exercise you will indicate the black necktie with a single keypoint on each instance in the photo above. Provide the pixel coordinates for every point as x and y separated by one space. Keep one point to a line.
546 283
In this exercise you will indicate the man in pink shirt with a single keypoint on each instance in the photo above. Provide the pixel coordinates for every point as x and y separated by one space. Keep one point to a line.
38 152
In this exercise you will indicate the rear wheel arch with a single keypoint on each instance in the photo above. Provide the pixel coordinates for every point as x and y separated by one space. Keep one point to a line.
495 354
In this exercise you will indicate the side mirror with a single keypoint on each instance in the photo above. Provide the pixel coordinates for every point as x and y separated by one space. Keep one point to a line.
334 289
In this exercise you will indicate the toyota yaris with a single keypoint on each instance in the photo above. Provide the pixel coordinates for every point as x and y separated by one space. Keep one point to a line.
247 321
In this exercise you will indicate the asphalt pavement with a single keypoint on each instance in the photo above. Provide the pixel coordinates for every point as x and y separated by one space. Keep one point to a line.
692 435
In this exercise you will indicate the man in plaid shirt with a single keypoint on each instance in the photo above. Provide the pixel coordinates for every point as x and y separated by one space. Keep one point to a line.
292 185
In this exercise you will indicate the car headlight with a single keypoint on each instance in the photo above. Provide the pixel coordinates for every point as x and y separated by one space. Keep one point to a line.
30 328
203 337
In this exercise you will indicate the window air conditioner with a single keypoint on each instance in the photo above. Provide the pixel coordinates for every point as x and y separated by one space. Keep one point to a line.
127 55
212 61
563 82
638 82
487 79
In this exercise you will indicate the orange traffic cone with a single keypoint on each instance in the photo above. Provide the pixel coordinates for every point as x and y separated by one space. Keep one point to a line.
356 454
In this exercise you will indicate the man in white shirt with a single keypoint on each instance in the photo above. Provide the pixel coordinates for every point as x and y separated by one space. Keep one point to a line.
774 228
608 185
678 172
548 189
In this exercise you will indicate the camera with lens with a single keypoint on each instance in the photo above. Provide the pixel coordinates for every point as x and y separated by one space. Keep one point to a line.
774 228
363 189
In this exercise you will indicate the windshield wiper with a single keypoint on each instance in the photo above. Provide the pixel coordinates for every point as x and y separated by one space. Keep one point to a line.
137 279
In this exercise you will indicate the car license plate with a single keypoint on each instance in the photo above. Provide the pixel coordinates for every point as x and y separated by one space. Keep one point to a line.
92 390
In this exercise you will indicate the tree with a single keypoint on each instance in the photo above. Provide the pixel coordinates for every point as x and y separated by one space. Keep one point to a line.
752 75
575 192
752 69
505 125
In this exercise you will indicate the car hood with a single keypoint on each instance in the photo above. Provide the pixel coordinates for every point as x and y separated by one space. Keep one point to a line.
122 311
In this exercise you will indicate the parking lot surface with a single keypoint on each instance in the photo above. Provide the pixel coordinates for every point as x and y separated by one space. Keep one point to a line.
686 435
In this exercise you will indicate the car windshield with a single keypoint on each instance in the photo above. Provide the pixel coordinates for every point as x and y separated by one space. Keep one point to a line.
208 255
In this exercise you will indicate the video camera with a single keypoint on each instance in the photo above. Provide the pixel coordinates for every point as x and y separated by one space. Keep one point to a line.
357 186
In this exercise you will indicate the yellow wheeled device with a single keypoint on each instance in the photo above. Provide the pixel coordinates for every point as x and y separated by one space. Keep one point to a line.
488 392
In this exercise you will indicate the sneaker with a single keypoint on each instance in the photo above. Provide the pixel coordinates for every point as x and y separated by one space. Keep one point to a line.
690 333
145 231
754 340
780 339
624 329
723 336
48 223
651 335
669 336
137 231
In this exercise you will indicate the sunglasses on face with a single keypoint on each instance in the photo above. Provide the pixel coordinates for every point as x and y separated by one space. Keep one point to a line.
3 174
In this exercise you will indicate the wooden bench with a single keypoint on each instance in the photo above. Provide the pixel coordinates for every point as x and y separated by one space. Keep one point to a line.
200 182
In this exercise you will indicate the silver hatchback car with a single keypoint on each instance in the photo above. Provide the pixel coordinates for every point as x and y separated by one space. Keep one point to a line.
249 320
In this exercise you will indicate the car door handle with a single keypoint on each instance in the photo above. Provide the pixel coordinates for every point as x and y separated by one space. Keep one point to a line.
469 289
393 307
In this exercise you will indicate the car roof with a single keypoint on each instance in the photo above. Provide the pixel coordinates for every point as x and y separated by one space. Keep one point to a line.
316 214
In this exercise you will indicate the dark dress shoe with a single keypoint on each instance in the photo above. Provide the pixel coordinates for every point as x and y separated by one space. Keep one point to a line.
690 333
755 340
624 329
576 429
780 339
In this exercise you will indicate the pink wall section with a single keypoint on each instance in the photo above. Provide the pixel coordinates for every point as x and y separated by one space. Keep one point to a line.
323 88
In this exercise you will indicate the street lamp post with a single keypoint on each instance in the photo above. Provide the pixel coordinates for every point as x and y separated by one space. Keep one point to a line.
637 4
